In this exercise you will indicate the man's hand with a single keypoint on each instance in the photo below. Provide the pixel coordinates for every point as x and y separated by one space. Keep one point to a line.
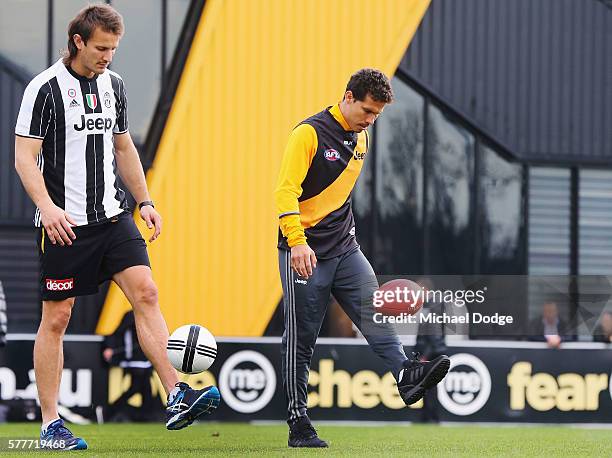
153 219
55 220
303 260
107 354
57 225
553 341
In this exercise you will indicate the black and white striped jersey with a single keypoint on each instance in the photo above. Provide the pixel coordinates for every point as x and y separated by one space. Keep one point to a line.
76 118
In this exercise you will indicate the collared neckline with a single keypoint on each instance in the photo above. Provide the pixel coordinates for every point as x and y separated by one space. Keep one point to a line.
337 114
80 77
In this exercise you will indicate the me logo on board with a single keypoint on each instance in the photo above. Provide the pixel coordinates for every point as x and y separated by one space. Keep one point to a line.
247 381
467 386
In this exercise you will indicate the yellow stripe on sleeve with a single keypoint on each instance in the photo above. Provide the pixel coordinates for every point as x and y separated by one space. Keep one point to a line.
299 152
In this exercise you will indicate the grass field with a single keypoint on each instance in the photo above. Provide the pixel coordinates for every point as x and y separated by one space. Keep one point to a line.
231 439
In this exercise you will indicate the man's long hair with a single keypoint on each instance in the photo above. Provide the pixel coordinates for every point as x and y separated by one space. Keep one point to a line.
84 24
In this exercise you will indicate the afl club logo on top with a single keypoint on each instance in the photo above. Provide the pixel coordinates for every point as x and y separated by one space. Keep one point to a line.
331 154
247 381
59 285
467 386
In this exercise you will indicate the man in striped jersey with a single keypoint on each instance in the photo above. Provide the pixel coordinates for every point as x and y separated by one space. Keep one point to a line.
72 141
319 254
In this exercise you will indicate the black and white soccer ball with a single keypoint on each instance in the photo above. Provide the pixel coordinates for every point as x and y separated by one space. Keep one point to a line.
192 349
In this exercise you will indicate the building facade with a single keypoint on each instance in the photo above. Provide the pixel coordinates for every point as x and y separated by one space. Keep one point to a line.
496 157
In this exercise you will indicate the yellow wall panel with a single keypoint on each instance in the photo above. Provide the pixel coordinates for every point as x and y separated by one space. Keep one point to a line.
256 68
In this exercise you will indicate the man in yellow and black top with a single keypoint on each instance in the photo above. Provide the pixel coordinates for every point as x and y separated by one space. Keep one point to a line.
318 252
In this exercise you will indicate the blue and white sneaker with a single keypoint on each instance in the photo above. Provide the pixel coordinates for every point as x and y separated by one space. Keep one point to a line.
188 404
58 437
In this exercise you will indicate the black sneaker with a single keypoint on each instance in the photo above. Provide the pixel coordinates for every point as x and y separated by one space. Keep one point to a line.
189 404
416 377
302 434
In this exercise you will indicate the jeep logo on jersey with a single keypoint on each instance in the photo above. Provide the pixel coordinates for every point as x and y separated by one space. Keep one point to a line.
247 381
359 156
59 285
331 154
94 123
466 387
92 100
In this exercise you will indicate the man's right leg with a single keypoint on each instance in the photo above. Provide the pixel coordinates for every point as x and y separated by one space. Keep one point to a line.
64 271
49 354
48 365
305 302
354 288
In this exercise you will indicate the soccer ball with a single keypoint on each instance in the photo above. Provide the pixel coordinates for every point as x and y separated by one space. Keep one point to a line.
192 349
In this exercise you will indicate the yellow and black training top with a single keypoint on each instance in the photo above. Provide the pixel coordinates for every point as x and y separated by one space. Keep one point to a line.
320 167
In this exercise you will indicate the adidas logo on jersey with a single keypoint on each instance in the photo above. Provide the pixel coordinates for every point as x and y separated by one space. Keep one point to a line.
92 124
74 104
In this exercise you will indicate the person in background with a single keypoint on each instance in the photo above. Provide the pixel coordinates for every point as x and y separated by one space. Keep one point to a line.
603 331
430 344
3 317
549 327
122 349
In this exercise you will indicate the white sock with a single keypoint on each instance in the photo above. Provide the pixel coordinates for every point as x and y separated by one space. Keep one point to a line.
173 393
44 426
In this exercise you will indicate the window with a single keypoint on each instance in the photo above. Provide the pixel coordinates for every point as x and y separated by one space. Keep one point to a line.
549 221
398 247
177 13
450 185
595 222
142 75
23 34
549 239
501 215
63 12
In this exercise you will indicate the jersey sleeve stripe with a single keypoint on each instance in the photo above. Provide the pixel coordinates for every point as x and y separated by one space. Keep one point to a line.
121 105
123 120
38 113
30 136
287 214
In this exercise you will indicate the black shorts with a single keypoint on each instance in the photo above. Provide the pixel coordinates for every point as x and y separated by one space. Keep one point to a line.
97 254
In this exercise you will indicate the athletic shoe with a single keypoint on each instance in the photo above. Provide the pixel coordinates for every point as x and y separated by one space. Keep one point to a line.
302 434
417 376
58 437
188 404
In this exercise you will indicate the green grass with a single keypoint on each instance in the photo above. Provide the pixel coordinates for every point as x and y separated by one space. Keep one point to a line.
233 439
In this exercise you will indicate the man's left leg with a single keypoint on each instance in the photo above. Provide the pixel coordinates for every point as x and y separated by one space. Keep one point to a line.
184 403
353 288
137 284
